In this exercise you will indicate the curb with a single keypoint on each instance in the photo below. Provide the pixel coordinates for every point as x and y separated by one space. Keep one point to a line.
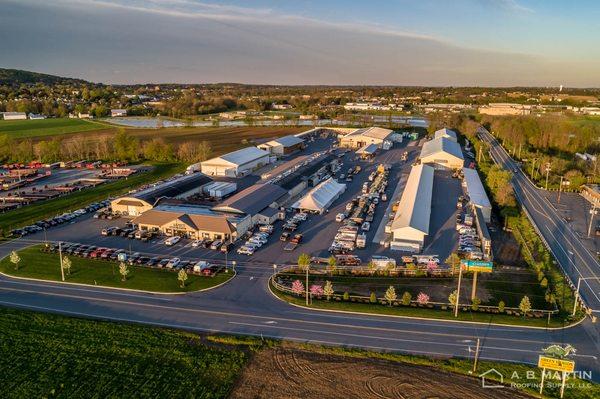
116 288
422 318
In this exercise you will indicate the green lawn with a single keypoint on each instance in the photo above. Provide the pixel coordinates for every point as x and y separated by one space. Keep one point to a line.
407 311
42 210
37 264
47 127
51 356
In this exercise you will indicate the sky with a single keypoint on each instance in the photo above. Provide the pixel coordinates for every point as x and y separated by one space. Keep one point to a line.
330 42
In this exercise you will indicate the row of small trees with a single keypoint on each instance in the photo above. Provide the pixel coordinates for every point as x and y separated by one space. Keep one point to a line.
124 269
390 296
118 147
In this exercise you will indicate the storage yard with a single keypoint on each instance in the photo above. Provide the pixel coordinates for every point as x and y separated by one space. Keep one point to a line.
320 199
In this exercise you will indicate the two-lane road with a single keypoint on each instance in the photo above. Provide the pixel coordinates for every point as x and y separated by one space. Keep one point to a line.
574 258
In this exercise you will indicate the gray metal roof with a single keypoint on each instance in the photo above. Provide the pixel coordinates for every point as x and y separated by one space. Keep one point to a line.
441 144
172 188
253 199
286 141
241 157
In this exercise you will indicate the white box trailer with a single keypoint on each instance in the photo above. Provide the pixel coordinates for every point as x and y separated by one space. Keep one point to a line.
222 189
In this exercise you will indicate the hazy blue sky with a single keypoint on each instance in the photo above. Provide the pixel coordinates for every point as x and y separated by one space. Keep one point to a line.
420 42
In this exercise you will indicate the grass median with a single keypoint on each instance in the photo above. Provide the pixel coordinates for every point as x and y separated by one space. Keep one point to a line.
35 212
46 266
422 312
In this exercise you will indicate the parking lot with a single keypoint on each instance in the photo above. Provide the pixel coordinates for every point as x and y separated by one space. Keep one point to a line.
318 231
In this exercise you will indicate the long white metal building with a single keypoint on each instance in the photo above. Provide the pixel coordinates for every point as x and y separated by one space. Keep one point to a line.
477 195
411 222
236 163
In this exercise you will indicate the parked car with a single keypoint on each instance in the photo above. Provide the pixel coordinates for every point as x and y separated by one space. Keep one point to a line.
216 244
172 240
366 226
196 243
173 262
226 247
245 250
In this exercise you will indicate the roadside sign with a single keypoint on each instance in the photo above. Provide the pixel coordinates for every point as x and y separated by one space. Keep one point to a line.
476 266
122 257
551 363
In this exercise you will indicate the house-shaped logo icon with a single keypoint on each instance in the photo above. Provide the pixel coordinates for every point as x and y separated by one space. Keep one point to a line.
486 381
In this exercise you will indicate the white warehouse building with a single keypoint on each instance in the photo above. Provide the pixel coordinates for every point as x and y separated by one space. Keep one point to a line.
443 153
477 195
283 145
363 137
237 163
411 222
447 133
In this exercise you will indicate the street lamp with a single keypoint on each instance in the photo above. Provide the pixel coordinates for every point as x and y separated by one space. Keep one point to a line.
577 291
593 212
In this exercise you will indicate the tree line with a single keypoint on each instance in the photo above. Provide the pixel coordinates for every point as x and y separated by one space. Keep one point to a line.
120 146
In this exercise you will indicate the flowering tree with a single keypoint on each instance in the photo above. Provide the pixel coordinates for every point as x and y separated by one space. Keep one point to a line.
525 305
297 287
328 290
422 298
316 290
452 298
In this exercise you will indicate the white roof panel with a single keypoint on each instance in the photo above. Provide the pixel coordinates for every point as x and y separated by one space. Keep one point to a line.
475 190
240 157
450 134
286 141
414 210
441 144
320 197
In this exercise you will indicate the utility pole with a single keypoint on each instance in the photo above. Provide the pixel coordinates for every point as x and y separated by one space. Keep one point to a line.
474 288
592 213
62 271
458 292
520 147
476 356
547 174
307 267
533 167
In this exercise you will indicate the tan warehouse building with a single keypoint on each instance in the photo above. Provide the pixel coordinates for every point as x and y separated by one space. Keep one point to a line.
194 222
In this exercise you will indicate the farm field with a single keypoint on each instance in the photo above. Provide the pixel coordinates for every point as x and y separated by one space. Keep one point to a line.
46 266
50 356
72 357
33 213
23 129
221 139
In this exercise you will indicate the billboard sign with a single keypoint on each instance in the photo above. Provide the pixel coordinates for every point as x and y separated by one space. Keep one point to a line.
476 266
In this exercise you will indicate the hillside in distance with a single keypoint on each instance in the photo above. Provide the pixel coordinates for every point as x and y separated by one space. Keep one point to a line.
15 77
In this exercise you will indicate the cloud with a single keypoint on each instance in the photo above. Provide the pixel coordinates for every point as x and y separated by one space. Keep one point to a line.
188 41
509 5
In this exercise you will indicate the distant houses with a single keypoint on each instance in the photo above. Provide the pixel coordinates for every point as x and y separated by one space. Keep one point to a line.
14 116
114 113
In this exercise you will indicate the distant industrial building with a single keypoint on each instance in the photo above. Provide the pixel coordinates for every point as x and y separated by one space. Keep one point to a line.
321 197
136 203
371 135
411 221
505 109
442 152
260 202
591 192
194 222
13 116
118 112
445 133
283 145
237 163
476 193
